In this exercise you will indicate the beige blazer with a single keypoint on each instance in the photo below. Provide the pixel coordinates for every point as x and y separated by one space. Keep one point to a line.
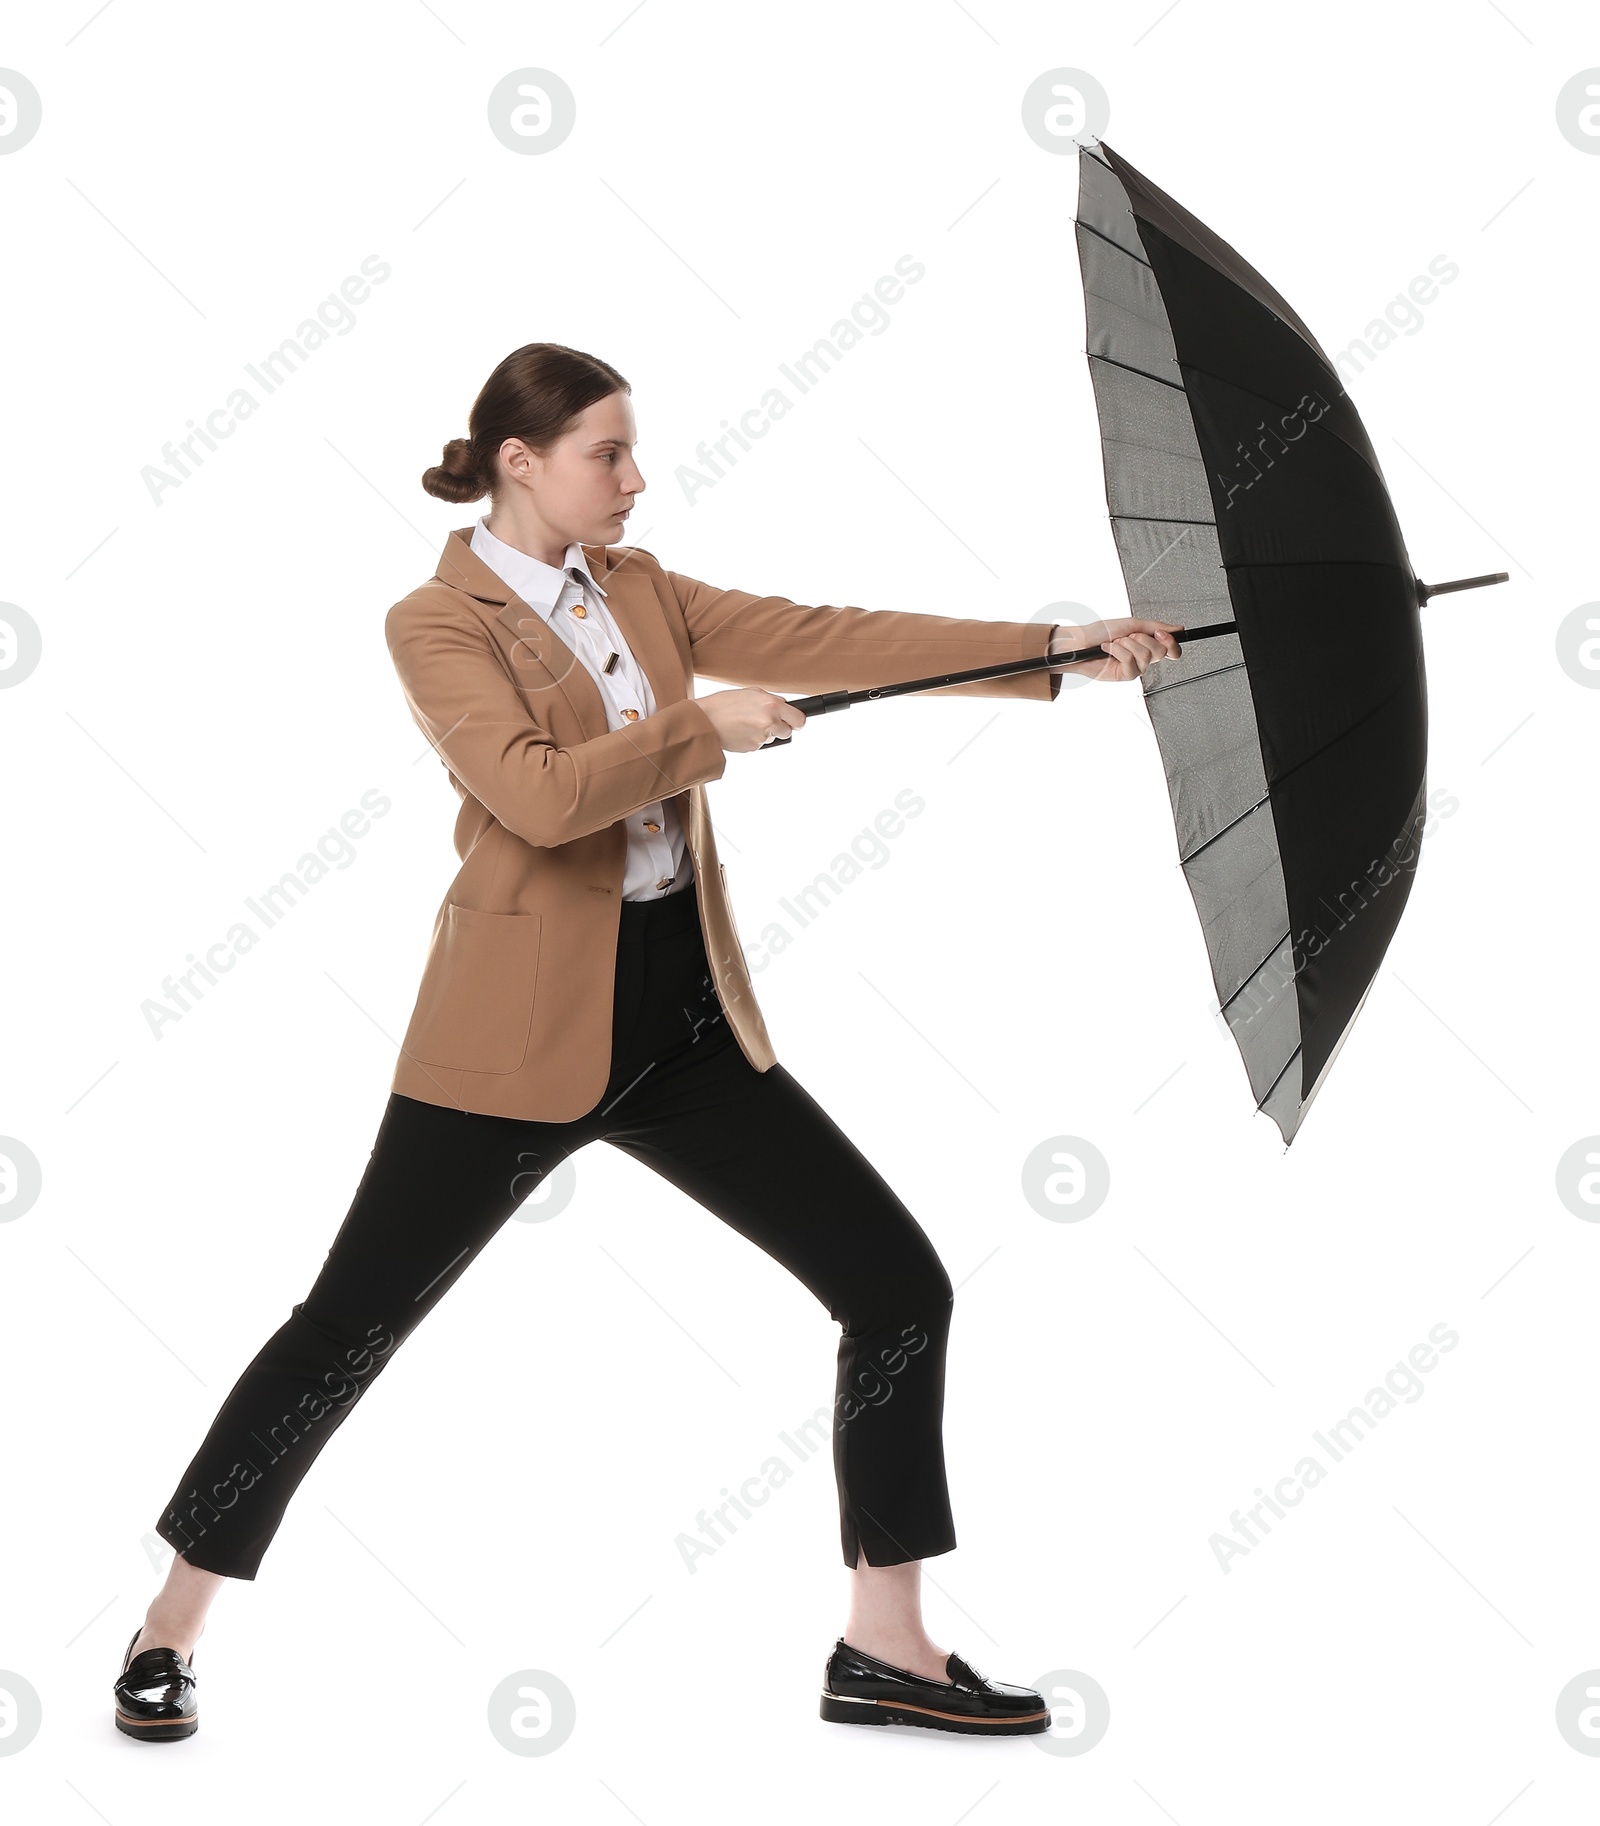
513 1016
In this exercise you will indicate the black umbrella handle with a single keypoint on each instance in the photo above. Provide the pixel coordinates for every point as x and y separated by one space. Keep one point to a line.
825 701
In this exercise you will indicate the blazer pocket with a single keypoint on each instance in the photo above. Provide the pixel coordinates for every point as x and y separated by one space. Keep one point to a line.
727 901
475 1010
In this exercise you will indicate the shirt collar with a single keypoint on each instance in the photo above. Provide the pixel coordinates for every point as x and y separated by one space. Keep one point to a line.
537 583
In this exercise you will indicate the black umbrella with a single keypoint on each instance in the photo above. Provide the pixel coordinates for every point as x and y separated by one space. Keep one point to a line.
1247 503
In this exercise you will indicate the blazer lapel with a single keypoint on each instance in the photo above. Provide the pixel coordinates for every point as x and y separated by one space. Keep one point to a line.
542 657
631 598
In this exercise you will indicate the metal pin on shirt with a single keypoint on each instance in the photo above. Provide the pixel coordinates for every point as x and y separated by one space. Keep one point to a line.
611 662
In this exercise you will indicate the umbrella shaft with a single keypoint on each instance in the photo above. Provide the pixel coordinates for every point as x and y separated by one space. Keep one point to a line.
825 701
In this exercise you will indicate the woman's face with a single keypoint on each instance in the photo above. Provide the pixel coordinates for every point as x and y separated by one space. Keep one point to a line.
584 484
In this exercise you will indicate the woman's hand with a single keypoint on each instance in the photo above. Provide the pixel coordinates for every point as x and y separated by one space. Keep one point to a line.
1133 643
745 717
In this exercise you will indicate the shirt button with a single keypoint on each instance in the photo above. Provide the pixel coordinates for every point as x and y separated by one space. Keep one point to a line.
651 825
580 611
664 882
631 715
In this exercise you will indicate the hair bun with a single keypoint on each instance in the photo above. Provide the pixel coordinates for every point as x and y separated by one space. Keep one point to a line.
455 477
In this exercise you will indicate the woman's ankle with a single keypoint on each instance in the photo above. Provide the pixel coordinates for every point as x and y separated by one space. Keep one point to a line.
176 1617
901 1645
163 1630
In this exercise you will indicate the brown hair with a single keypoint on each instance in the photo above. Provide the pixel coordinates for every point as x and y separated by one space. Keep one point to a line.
534 394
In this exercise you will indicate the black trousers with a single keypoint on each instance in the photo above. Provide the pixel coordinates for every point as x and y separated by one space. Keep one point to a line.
751 1147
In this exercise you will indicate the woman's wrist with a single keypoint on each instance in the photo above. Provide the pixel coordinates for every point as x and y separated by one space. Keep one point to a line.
1068 638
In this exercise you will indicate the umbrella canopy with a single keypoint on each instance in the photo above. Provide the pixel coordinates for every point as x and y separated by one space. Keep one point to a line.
1243 490
1248 505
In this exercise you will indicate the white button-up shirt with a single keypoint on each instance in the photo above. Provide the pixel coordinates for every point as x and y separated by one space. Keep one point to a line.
658 858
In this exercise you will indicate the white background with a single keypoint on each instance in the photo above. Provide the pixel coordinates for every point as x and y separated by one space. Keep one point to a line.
215 693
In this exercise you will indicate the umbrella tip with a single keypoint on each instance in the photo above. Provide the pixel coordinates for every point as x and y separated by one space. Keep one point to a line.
1425 590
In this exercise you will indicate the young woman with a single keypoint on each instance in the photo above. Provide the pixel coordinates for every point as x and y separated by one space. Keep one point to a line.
584 983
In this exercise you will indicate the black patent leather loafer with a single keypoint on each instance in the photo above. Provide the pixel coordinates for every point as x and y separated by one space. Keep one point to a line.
859 1689
156 1694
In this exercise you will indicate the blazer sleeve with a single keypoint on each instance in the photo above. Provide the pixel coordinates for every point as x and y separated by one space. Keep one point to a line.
466 704
785 646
